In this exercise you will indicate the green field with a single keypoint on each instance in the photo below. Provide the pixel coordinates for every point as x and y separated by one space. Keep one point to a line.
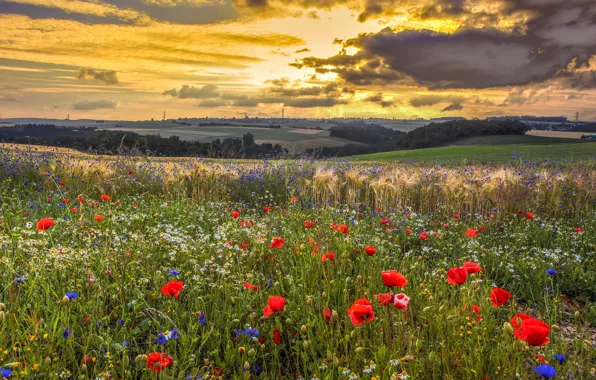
515 140
487 153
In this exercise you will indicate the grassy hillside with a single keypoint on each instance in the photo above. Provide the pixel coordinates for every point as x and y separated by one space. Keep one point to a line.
486 153
514 140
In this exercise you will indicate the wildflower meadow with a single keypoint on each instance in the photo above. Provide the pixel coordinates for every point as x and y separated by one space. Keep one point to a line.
137 268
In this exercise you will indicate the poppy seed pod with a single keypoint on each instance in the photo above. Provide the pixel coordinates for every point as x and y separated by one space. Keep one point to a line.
309 301
324 294
555 327
83 367
508 328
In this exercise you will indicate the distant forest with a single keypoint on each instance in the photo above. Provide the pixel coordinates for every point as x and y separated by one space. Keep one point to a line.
89 139
432 135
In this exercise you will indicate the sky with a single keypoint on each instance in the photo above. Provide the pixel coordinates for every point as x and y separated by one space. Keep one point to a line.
135 59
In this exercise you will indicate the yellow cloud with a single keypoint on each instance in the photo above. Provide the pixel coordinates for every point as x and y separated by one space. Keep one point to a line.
88 8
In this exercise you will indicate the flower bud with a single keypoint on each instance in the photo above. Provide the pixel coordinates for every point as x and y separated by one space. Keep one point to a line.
83 367
427 309
309 301
246 366
360 349
359 278
65 299
324 294
303 329
2 307
48 361
241 350
305 344
508 328
2 316
251 352
555 327
441 308
125 361
140 359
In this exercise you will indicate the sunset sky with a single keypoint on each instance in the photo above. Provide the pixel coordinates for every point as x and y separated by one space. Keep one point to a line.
133 59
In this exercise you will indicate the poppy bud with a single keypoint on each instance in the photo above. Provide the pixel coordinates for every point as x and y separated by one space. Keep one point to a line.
427 309
246 366
305 344
83 367
353 333
309 301
334 314
303 329
288 321
249 309
451 317
420 258
48 361
359 278
335 361
251 352
125 361
588 342
555 327
508 328
241 350
360 349
348 280
432 356
140 360
2 307
1 316
345 291
236 321
324 294
255 339
576 314
418 344
65 299
441 308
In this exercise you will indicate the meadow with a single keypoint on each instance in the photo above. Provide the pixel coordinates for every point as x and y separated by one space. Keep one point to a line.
155 268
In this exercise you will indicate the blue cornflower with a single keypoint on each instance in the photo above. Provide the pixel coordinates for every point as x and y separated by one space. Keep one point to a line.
121 321
552 272
161 339
174 272
72 295
252 332
202 318
19 280
125 343
545 371
174 334
5 372
270 282
66 333
560 358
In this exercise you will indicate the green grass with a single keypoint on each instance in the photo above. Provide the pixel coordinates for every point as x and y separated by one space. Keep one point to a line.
487 153
515 140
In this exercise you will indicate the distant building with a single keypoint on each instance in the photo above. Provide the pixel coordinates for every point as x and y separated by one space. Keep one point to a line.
589 137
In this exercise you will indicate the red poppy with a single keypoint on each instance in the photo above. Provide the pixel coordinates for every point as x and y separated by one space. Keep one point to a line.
61 183
267 208
65 201
327 314
519 212
294 199
342 228
172 288
157 361
308 224
518 318
81 200
361 311
244 245
276 243
476 310
276 336
401 301
98 218
482 229
235 214
408 231
105 197
457 276
471 233
244 224
45 223
471 267
529 215
499 296
274 304
446 225
385 221
385 298
74 210
533 331
130 172
328 256
456 216
370 250
423 235
248 285
393 278
578 229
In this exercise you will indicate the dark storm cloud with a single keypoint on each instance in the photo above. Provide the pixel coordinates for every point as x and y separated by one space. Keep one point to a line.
379 99
453 107
191 92
106 76
556 34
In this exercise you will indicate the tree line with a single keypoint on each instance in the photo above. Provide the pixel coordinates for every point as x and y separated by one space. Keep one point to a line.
90 139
